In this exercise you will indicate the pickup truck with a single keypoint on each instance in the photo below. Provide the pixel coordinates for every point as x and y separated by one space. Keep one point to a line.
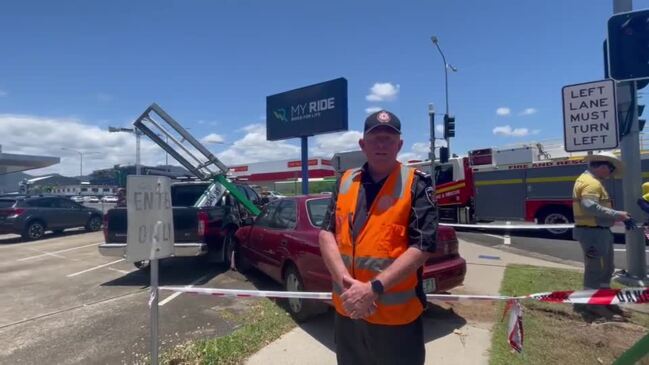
204 225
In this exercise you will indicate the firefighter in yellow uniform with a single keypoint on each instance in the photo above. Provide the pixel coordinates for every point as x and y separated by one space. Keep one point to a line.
594 216
378 232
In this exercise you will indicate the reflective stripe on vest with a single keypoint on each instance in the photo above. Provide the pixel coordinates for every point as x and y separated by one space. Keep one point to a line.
377 242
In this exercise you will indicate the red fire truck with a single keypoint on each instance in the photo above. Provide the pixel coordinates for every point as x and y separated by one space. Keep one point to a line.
517 184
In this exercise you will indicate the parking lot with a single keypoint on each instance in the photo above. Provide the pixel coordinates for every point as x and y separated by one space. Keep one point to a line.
63 303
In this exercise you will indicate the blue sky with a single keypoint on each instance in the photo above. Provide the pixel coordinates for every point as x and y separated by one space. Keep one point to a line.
85 65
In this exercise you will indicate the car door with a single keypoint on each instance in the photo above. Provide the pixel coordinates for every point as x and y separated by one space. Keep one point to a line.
315 273
71 213
258 231
277 238
44 208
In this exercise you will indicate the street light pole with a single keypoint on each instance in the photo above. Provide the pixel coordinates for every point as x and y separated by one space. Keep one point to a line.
446 67
138 134
80 159
431 155
636 274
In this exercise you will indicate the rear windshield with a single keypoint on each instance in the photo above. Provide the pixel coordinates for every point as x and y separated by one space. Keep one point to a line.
6 203
317 208
186 195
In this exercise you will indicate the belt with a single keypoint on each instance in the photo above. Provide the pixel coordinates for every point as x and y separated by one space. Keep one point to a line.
596 227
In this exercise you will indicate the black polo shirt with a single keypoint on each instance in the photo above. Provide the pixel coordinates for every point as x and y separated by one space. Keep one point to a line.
422 224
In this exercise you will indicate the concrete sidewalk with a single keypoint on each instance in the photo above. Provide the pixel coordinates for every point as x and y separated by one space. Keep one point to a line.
455 334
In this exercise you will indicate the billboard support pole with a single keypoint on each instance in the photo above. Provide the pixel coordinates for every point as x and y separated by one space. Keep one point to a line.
305 164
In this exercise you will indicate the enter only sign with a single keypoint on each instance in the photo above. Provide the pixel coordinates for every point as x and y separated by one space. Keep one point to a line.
589 116
150 233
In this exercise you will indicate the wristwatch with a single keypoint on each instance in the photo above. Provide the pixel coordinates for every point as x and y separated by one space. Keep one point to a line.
377 287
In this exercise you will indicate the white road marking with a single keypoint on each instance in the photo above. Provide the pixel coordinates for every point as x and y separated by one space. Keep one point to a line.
45 253
624 249
94 268
120 271
494 235
55 252
176 294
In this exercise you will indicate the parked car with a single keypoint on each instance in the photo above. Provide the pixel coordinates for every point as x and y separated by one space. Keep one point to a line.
91 199
77 198
199 229
31 216
109 199
283 244
272 195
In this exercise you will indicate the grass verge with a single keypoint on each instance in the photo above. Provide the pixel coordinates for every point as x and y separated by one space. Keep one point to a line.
554 334
264 322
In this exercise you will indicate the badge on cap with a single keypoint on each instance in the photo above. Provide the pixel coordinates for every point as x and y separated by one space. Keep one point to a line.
430 195
383 117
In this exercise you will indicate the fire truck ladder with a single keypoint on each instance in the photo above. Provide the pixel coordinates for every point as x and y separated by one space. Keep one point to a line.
194 157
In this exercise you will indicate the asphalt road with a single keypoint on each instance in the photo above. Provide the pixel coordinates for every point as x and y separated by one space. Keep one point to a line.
63 303
534 244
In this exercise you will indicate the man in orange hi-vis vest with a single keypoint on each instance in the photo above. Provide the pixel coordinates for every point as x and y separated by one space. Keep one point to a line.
378 232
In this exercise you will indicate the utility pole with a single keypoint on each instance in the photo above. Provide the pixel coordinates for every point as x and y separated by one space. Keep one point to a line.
631 184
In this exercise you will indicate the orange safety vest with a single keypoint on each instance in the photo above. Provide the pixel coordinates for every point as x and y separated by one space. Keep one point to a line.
383 238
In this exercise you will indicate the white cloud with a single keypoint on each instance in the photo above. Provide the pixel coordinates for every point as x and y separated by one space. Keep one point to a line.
254 147
528 111
503 111
419 151
328 144
212 123
212 138
507 130
3 93
383 92
25 134
104 98
373 109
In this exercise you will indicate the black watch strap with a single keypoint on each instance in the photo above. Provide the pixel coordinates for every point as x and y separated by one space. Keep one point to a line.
377 287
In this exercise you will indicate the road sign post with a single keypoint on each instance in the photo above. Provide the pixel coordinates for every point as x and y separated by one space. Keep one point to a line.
150 234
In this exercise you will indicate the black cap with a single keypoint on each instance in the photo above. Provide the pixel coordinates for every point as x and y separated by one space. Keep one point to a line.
382 118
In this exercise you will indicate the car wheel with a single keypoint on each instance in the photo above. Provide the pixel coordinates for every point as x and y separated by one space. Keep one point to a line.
94 224
143 265
34 230
558 216
228 249
300 309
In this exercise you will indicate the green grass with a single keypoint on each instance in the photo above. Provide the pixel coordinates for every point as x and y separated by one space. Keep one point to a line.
264 323
554 334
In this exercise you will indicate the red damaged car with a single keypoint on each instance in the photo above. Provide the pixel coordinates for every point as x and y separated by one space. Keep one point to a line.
283 244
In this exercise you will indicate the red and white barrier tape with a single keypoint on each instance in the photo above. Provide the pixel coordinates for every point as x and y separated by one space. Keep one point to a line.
515 334
509 226
601 296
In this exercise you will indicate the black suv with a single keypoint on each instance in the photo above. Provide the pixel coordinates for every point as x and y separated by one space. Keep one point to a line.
31 216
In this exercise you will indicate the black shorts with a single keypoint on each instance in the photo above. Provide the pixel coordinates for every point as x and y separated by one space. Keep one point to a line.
362 343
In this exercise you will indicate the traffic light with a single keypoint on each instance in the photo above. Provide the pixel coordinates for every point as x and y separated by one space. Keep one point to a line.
641 122
449 126
443 154
628 46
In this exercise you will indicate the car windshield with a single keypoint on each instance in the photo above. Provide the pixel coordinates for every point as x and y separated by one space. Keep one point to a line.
317 208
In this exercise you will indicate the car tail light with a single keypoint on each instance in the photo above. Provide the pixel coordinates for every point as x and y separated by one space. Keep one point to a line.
203 219
106 227
447 241
14 212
